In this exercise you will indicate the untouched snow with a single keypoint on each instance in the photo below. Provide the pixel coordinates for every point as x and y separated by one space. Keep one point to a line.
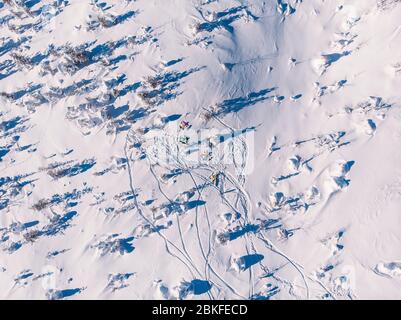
103 196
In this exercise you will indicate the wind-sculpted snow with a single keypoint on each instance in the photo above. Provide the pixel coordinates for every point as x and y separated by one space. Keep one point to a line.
210 149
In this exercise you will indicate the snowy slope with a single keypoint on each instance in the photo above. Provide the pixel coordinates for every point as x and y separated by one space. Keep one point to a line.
283 183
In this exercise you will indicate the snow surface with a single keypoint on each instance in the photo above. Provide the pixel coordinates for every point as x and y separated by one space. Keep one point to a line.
284 181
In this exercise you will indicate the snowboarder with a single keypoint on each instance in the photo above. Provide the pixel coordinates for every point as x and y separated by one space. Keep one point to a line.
184 139
214 178
184 125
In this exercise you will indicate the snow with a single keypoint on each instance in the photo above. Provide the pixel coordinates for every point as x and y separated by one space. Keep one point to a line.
205 149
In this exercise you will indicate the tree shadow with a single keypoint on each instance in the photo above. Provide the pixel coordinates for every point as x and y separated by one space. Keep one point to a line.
237 104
